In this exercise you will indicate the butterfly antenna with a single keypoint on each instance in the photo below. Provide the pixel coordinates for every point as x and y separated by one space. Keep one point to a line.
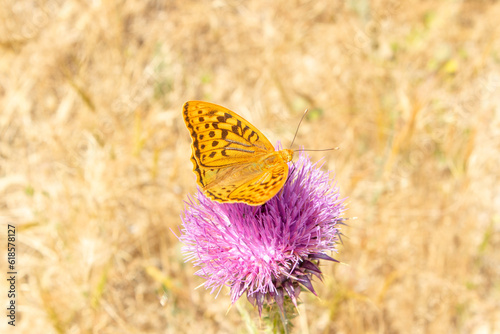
303 149
298 126
326 149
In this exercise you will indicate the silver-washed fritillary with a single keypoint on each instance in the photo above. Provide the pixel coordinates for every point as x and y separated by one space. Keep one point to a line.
233 161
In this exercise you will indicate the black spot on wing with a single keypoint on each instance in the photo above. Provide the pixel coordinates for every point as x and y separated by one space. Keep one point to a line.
245 129
224 118
235 129
253 137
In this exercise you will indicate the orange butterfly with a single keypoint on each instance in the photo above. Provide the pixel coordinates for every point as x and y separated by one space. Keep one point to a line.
233 161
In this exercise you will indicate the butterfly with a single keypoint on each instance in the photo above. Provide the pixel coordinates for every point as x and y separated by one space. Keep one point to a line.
232 160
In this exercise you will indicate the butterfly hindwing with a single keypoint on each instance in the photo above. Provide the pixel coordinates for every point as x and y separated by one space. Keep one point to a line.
259 190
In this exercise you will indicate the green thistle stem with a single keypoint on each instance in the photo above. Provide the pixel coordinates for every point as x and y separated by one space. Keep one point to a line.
278 321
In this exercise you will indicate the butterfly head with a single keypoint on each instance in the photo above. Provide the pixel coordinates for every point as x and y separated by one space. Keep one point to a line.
286 154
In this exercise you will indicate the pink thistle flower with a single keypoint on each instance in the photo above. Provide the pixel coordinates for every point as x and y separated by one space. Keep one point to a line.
266 251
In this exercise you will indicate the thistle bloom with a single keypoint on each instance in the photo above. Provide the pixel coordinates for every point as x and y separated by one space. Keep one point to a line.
266 251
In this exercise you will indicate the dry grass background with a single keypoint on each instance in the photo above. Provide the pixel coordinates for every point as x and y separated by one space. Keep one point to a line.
94 155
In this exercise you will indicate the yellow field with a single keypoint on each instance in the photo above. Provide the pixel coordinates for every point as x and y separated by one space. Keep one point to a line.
94 156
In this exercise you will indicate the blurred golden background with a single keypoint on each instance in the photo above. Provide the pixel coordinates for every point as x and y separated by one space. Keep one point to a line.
94 156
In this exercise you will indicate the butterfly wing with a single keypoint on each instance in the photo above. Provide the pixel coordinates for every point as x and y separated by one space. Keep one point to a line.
260 189
226 149
221 138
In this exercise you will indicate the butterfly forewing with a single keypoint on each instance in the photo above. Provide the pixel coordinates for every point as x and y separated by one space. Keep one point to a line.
233 161
221 137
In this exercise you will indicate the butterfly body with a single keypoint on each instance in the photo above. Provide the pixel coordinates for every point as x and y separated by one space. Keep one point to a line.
232 160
